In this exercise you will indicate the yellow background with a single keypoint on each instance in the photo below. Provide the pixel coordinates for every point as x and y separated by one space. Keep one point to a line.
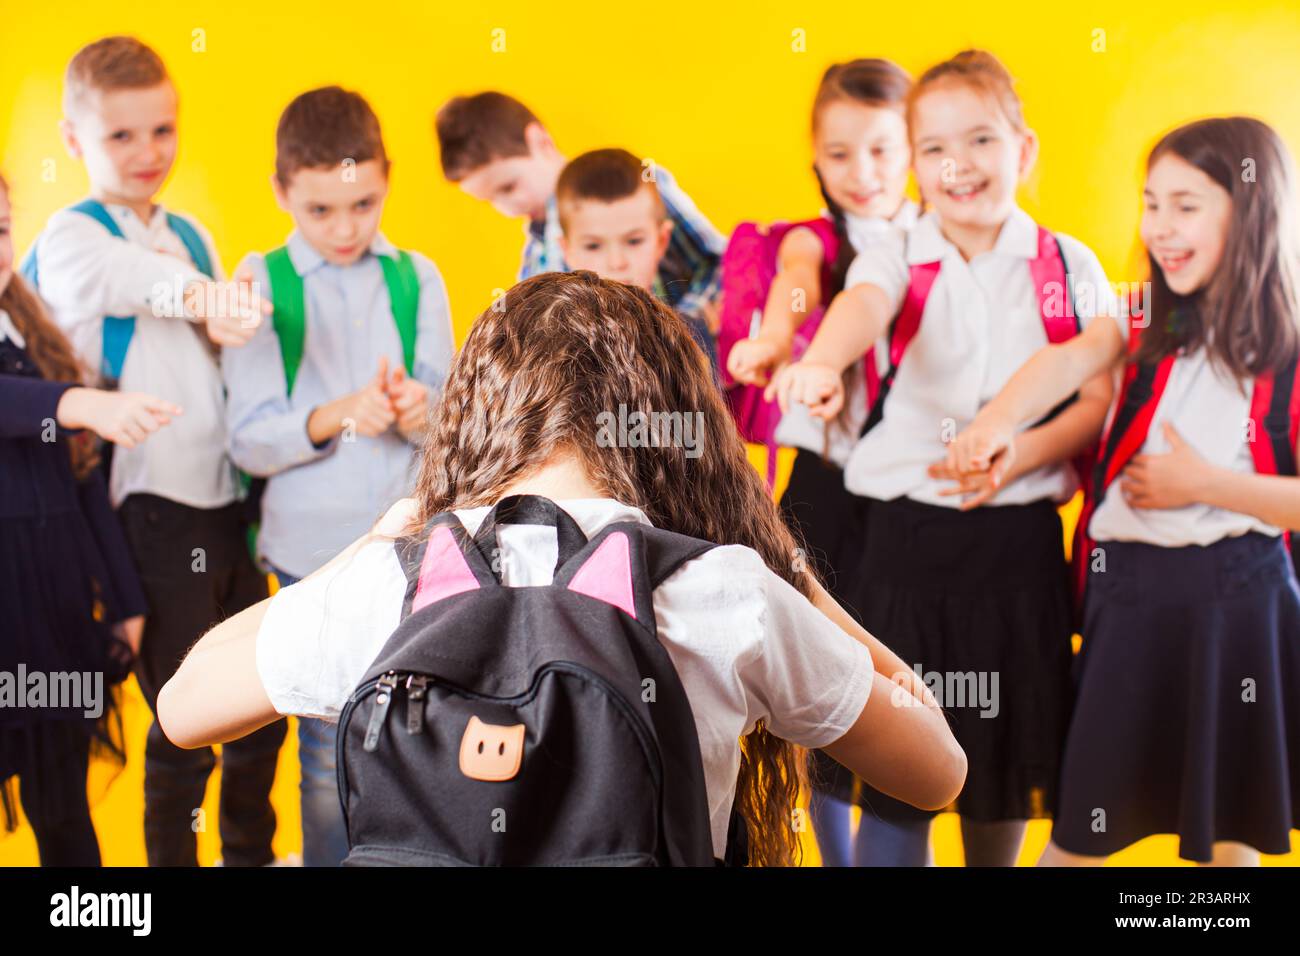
719 94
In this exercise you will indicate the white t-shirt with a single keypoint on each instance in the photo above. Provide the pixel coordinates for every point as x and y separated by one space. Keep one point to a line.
746 645
1212 414
982 321
87 274
798 428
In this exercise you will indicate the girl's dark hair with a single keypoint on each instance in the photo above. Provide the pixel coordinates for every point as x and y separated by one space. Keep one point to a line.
533 378
870 82
1248 314
53 354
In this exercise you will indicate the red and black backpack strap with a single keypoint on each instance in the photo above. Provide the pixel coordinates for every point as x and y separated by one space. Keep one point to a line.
1275 416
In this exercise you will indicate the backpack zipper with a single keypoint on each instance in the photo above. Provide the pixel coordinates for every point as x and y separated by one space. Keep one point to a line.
415 693
383 699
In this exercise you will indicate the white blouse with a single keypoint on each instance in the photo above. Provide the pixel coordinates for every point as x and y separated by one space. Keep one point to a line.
1212 414
982 321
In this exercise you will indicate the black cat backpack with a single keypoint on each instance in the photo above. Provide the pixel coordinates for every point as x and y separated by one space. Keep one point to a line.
511 726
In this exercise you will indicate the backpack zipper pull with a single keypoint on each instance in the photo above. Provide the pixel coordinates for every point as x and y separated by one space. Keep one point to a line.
415 692
383 698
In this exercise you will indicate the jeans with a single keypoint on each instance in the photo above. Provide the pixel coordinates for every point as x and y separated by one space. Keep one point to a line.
324 835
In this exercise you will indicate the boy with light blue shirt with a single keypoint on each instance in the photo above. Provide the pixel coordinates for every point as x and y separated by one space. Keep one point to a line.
327 401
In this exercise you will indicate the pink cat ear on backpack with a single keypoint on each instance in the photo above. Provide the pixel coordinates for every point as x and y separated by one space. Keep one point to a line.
607 574
443 572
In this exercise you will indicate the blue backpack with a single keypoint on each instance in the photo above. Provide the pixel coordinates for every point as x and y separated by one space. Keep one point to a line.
118 330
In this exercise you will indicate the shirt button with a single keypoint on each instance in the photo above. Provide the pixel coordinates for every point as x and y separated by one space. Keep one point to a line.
357 323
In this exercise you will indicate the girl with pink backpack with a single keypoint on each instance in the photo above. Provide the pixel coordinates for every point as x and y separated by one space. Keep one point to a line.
777 282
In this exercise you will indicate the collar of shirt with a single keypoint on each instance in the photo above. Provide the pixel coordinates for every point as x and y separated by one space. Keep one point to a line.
306 259
131 222
9 331
927 243
865 230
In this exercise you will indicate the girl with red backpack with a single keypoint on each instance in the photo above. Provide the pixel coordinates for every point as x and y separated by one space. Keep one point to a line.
473 642
1186 718
972 593
791 272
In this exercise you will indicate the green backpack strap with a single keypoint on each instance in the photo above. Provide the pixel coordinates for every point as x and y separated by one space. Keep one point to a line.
290 316
404 297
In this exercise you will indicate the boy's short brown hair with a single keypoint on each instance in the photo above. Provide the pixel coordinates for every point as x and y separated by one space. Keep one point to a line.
324 127
603 175
475 130
113 63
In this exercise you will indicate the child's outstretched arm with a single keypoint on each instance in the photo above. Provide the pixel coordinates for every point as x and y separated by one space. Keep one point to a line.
799 262
86 274
856 318
1049 377
217 695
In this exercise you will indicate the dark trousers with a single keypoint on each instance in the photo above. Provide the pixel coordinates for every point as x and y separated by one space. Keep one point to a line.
52 789
196 571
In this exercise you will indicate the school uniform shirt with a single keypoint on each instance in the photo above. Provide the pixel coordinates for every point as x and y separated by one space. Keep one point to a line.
746 644
87 274
689 269
1212 413
982 321
320 499
798 428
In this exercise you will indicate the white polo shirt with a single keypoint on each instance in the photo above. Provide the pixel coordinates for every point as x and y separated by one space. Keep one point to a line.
745 643
86 274
982 321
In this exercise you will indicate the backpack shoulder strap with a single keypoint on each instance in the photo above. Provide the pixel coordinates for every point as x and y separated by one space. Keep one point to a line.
901 333
96 211
290 316
1273 407
1052 285
1144 384
118 330
404 298
193 242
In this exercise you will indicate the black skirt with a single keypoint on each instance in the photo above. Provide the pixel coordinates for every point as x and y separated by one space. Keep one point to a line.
827 522
1188 711
978 603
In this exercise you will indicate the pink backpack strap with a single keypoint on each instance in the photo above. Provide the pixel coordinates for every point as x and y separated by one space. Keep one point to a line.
901 332
1052 286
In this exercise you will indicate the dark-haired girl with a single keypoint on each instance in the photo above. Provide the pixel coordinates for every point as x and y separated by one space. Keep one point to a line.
1188 709
861 163
72 603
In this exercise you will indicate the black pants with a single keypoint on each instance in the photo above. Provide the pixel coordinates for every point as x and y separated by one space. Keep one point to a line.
196 571
52 789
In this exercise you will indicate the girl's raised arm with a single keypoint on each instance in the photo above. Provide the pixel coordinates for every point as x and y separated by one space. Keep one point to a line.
1048 378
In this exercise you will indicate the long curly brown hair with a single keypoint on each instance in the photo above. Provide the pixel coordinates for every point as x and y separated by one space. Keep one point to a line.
536 372
50 350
